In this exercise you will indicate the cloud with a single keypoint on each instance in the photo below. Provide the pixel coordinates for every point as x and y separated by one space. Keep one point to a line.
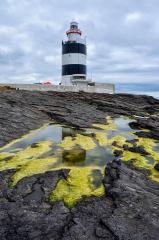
133 17
122 39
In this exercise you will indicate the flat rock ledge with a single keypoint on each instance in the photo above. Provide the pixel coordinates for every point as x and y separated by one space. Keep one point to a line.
22 111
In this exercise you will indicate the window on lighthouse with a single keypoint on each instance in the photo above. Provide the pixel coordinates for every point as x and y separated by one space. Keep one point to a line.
73 26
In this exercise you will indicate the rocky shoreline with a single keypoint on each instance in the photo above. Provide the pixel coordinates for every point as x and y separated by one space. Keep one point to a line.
22 111
130 207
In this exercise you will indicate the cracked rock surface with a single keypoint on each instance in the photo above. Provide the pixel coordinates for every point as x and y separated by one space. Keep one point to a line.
21 111
129 210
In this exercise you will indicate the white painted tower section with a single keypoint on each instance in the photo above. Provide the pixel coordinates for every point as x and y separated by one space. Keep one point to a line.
74 58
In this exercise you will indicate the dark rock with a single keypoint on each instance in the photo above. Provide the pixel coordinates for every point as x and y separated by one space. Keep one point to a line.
125 147
138 149
129 210
22 111
136 203
156 167
151 123
135 125
117 153
34 145
132 141
152 134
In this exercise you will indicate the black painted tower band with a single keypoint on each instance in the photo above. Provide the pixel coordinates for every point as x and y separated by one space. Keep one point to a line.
74 48
71 69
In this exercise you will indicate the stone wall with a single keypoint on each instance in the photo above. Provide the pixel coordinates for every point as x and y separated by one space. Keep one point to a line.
98 88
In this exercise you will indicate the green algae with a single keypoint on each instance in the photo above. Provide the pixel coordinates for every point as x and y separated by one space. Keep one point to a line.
79 184
118 140
148 144
102 139
5 156
81 153
67 143
84 142
22 157
140 161
154 174
33 166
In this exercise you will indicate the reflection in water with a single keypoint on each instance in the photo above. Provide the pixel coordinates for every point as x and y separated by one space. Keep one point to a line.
83 152
76 155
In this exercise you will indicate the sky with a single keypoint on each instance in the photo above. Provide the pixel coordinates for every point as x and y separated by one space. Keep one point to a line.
122 39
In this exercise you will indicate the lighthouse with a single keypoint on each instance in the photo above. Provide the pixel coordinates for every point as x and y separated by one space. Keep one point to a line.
74 54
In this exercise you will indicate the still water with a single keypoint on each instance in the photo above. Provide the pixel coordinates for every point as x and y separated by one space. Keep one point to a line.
77 155
84 152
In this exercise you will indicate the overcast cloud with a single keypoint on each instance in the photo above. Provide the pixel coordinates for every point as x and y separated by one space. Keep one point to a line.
122 38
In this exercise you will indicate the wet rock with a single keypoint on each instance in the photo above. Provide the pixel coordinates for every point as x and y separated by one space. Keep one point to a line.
151 123
136 203
117 153
26 213
34 145
125 147
132 141
156 167
152 134
135 125
138 149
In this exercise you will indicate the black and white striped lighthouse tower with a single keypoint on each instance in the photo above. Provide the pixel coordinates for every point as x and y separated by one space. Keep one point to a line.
74 54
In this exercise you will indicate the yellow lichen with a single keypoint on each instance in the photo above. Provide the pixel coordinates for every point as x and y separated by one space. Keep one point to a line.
77 185
139 160
154 174
84 142
67 143
5 155
35 152
22 157
119 140
34 166
148 144
102 139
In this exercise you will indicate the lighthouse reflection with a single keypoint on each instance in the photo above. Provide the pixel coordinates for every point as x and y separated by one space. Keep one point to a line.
75 156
